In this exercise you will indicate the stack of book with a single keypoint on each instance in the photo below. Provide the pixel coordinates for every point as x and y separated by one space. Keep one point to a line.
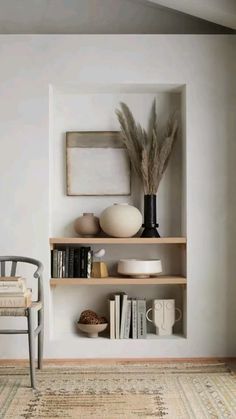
13 292
71 262
127 317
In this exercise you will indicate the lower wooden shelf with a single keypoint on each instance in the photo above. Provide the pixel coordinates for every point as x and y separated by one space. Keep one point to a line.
105 337
160 280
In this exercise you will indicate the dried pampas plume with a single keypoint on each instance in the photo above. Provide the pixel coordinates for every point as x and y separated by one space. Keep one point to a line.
149 154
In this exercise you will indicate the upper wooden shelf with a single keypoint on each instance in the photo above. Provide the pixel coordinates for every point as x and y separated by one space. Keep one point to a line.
112 240
160 280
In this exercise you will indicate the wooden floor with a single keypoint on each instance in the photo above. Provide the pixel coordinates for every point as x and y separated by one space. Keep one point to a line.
25 362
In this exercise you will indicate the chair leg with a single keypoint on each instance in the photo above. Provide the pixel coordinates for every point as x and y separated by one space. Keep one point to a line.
40 339
31 346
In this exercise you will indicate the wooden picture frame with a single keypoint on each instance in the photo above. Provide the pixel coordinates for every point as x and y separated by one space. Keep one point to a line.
97 163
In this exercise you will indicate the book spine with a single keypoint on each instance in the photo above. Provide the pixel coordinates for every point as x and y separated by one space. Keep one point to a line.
71 262
63 264
117 319
82 263
112 318
12 286
134 319
55 264
51 263
23 301
77 263
89 263
11 278
67 262
123 315
59 259
142 325
128 320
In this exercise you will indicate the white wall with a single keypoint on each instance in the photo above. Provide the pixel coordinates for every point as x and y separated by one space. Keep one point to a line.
31 67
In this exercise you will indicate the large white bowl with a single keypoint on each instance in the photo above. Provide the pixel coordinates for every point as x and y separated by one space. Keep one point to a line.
138 268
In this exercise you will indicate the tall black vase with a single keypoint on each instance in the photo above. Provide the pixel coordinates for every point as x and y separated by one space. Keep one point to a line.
150 225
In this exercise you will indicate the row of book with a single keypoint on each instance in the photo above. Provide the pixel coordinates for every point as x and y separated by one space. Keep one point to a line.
127 317
71 262
13 292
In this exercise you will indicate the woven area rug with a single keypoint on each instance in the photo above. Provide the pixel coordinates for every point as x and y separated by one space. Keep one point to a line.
181 390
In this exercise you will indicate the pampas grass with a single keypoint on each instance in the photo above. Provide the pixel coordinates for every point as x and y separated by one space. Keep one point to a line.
149 154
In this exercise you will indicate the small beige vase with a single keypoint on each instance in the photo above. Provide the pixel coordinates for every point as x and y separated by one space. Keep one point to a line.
87 225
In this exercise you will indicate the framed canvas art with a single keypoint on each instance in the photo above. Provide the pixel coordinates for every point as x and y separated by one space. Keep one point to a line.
97 163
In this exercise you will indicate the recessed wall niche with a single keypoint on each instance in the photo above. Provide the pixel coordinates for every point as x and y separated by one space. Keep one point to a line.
92 108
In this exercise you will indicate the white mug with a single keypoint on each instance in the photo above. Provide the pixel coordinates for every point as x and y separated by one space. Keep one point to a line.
163 316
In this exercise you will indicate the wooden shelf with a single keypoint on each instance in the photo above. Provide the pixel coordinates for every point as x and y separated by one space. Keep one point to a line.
104 336
160 280
112 240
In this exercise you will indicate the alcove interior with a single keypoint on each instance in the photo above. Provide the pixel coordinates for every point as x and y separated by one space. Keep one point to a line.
92 108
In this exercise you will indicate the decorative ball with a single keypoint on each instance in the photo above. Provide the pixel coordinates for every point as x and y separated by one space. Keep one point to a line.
90 317
121 220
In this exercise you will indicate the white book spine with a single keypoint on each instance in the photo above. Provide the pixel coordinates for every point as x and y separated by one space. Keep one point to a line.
12 286
89 263
112 319
117 321
134 319
128 320
18 301
142 324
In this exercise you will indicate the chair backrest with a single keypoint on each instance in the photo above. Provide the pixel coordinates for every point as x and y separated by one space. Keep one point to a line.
14 261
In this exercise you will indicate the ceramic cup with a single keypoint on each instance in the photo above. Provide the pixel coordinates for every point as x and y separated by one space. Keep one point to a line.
163 316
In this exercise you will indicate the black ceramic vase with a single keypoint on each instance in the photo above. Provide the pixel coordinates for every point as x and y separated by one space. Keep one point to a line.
150 225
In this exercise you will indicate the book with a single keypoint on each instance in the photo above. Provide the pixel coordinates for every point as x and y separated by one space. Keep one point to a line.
86 252
71 262
83 273
123 311
141 313
55 264
117 316
11 286
112 317
127 320
77 273
59 263
51 263
134 318
63 263
16 301
67 262
10 278
89 263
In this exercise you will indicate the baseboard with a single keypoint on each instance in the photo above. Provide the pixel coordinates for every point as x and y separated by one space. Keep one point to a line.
113 361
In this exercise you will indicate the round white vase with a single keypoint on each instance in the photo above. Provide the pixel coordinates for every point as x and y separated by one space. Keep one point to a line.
121 220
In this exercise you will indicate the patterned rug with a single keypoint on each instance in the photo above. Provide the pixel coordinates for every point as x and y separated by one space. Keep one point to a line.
145 390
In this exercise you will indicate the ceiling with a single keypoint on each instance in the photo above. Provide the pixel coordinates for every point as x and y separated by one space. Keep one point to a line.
116 16
222 12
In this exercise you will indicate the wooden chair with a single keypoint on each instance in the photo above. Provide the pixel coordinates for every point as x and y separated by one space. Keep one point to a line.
36 306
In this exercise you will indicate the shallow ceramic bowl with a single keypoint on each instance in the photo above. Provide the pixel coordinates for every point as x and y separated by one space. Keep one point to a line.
138 268
92 330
